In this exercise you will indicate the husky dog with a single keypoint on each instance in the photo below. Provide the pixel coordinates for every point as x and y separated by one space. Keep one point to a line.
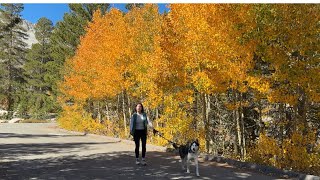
188 152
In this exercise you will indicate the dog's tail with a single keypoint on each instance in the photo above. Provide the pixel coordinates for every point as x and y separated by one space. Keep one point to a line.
156 132
175 145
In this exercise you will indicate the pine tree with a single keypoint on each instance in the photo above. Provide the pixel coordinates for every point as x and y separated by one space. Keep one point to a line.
130 6
12 57
37 87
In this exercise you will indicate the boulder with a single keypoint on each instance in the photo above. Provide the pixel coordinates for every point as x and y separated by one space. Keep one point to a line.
15 120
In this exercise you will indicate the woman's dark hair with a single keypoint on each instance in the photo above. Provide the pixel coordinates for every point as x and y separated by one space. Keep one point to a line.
142 108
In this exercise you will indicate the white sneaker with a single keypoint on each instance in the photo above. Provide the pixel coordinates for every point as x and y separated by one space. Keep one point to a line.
137 161
143 162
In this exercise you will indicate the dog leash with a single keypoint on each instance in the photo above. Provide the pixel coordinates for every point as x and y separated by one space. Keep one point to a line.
161 135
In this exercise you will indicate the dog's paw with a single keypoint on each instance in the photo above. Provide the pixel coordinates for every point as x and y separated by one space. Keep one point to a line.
198 175
188 171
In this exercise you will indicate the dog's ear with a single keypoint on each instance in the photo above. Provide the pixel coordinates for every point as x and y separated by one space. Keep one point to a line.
197 141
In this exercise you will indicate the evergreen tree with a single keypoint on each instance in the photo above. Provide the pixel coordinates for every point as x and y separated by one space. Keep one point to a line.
37 87
129 6
12 57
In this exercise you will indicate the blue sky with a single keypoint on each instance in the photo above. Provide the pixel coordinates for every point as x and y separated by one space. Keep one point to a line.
54 12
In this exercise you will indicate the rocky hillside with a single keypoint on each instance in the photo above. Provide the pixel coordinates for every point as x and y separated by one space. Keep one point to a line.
31 33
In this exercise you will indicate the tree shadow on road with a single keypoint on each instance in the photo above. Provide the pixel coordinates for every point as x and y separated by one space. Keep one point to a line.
27 136
113 165
14 151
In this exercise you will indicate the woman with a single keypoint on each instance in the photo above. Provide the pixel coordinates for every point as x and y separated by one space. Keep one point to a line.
138 129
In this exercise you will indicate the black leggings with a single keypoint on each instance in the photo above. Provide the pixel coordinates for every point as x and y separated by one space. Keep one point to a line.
140 134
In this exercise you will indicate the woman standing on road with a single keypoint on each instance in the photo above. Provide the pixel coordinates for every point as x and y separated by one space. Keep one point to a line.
138 129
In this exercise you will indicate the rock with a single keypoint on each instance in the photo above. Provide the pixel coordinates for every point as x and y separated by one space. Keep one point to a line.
3 112
53 120
31 39
15 120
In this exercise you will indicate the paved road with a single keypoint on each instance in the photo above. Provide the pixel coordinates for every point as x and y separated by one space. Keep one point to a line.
42 151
